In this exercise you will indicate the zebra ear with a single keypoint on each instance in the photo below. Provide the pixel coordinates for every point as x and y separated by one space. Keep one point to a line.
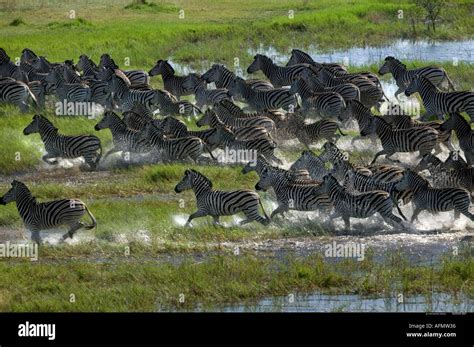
187 172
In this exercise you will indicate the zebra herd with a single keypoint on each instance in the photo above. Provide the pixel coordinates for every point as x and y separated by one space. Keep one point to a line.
306 101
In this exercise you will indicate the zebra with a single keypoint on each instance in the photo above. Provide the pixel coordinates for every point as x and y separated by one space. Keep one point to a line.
128 97
173 149
296 176
38 88
136 77
138 117
243 133
300 57
455 161
459 169
437 102
313 132
177 129
167 106
8 69
38 216
463 132
398 120
312 163
124 140
212 119
370 93
324 104
64 146
362 115
403 76
223 78
290 196
224 138
203 95
279 76
263 99
27 55
17 93
72 92
422 140
87 66
218 203
172 83
331 153
432 199
228 108
348 91
362 205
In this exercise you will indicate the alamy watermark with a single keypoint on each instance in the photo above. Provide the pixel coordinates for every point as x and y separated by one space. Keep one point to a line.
19 250
69 108
345 250
237 156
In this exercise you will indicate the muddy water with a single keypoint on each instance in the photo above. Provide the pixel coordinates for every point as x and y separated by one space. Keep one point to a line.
436 302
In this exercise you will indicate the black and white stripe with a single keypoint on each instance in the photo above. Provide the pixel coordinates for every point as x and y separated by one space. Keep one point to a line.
171 82
463 132
279 76
223 78
203 95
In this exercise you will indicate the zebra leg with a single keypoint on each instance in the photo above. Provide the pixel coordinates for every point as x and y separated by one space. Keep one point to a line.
75 227
347 222
398 92
215 220
281 209
379 154
35 236
197 214
463 207
49 156
416 212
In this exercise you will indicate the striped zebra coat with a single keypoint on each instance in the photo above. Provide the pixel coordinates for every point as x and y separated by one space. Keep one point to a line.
291 196
203 95
300 57
172 83
223 78
432 199
312 163
464 133
212 119
422 140
136 77
295 176
17 93
279 76
218 203
363 205
262 100
436 102
38 216
308 133
65 146
403 76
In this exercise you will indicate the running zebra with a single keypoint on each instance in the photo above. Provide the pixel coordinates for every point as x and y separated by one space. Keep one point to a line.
38 216
463 132
432 199
223 78
325 104
172 83
64 146
136 77
262 100
203 95
331 153
313 132
348 91
128 97
312 163
300 57
279 76
138 117
290 196
71 92
173 149
296 176
403 76
228 108
212 119
18 94
436 102
243 133
87 66
363 205
422 140
218 203
167 106
124 140
224 138
443 175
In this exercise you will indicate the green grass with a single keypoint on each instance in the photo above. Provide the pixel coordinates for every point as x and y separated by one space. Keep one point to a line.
150 286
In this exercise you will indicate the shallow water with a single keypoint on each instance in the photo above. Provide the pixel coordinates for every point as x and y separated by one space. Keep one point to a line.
437 302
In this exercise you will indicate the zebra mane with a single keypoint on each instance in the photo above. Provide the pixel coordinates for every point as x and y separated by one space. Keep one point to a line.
167 66
230 106
201 178
417 177
303 54
47 121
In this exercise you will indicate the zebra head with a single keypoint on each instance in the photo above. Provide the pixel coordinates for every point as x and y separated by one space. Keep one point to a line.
39 122
340 169
27 55
12 194
413 87
193 179
83 61
237 87
298 84
410 181
259 61
299 57
105 60
370 127
385 68
192 81
261 162
330 152
429 160
161 66
329 181
266 179
207 119
106 120
213 74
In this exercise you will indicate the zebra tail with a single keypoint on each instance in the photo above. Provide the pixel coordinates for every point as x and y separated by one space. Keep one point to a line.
265 213
94 221
395 201
340 131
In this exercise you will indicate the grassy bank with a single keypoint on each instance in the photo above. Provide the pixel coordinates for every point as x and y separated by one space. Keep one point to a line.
221 280
192 31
